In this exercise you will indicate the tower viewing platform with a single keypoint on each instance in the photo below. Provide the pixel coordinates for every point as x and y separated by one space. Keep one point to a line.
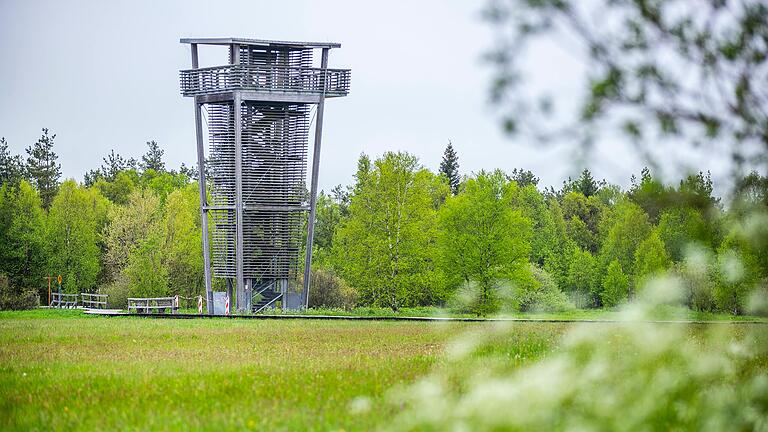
265 70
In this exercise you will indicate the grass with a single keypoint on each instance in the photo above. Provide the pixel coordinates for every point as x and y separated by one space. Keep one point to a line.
61 370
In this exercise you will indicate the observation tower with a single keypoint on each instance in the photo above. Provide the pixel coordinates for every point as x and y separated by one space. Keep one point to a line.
257 111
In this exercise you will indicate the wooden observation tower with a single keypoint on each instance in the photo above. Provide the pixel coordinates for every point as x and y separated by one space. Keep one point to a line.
257 109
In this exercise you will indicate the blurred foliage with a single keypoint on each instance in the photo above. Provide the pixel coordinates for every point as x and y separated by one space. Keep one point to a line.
662 71
625 376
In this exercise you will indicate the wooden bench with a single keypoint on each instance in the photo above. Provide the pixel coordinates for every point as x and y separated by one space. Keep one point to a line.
94 301
153 305
61 300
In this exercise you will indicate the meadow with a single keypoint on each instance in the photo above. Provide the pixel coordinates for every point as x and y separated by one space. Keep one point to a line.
61 370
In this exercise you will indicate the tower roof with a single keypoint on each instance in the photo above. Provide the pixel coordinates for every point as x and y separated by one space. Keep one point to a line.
259 42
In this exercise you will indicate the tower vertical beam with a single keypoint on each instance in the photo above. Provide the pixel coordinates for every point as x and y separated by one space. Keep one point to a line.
242 301
315 174
203 194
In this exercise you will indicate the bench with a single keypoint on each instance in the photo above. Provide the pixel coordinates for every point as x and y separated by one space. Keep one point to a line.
153 305
61 300
94 301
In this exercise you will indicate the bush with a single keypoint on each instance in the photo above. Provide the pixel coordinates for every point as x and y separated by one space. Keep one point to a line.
12 298
468 299
118 291
697 286
541 294
329 291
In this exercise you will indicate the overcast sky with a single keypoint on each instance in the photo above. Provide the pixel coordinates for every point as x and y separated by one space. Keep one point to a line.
103 75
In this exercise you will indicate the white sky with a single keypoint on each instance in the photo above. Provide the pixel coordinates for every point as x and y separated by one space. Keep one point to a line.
104 75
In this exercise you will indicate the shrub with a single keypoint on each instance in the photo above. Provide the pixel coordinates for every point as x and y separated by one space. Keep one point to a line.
330 291
469 298
12 298
118 292
541 294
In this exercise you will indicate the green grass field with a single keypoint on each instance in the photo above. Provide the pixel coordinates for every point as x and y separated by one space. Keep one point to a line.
62 370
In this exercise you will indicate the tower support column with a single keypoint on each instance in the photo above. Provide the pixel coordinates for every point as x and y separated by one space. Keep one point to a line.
203 193
243 300
315 174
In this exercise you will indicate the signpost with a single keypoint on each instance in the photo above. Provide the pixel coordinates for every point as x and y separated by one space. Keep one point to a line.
49 288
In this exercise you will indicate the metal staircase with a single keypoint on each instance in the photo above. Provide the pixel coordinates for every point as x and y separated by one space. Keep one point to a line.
264 296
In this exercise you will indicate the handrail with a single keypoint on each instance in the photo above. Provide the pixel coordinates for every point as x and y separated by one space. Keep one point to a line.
280 295
63 300
94 301
266 287
332 82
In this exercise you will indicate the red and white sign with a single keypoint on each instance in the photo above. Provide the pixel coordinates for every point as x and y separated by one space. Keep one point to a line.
226 306
200 304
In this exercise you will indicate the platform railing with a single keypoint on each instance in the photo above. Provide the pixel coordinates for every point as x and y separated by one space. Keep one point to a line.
331 82
61 300
94 301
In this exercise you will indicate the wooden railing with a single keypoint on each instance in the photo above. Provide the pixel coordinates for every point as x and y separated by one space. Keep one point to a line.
153 305
94 301
61 300
331 82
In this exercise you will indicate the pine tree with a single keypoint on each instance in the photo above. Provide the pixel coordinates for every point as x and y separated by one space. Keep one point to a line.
11 166
153 158
449 167
42 169
523 177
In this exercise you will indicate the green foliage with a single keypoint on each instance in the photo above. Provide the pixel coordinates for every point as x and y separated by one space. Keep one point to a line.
11 166
118 292
582 215
330 291
162 182
737 274
22 234
619 377
586 185
449 168
583 277
482 239
146 272
629 89
540 294
615 285
42 169
183 243
681 227
117 190
75 224
386 248
14 298
627 226
558 247
530 203
153 158
128 225
328 217
523 177
651 259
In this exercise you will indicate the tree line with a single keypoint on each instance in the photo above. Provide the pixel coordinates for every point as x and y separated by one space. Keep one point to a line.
399 236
